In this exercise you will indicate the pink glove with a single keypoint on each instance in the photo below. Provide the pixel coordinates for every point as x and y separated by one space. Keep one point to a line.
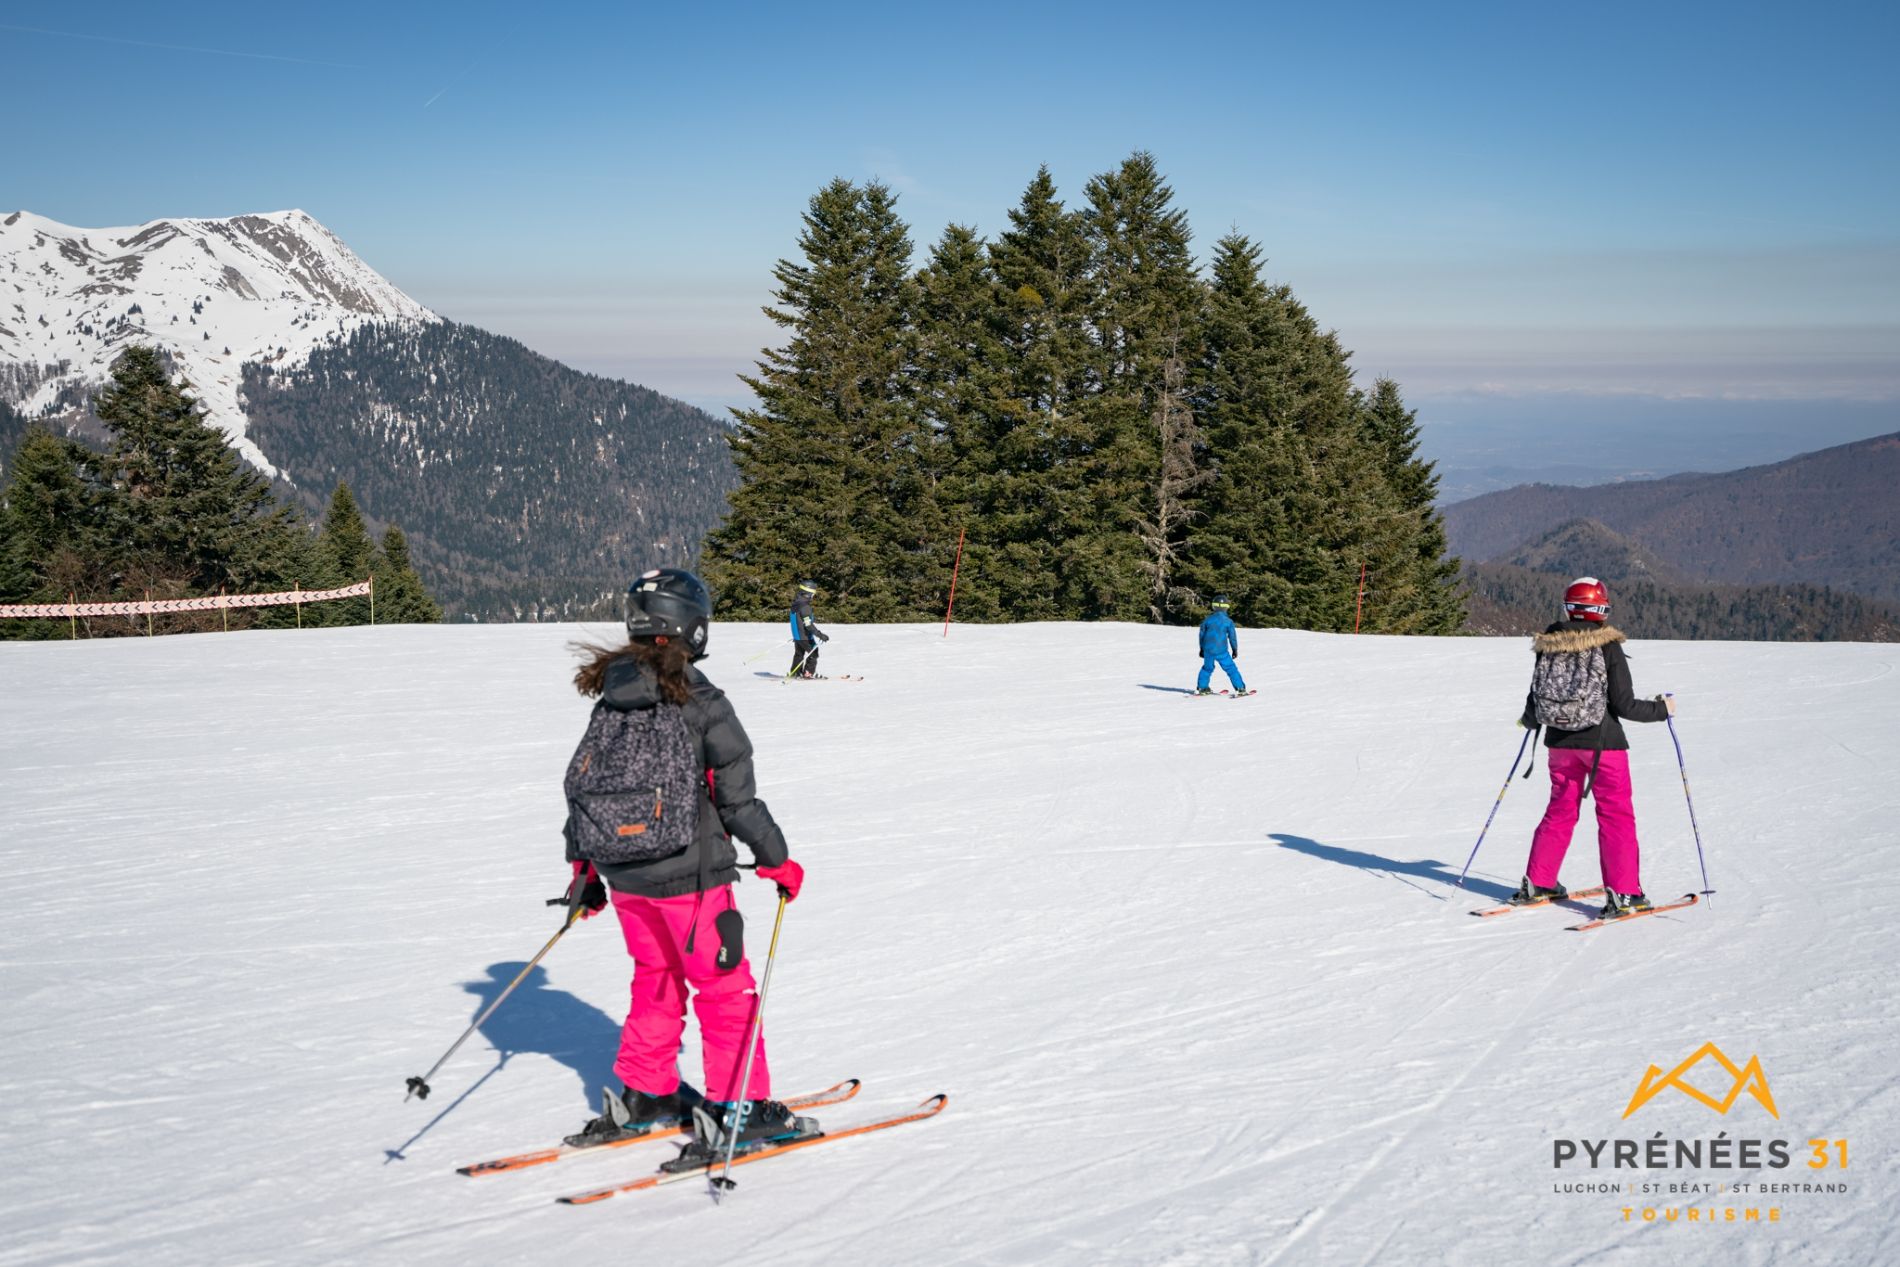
789 877
587 889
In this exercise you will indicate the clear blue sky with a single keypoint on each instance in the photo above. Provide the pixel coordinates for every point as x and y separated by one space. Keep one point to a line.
1513 206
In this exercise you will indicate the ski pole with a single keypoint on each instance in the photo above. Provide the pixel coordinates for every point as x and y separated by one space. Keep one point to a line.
1695 830
724 1181
1494 804
800 662
760 655
419 1087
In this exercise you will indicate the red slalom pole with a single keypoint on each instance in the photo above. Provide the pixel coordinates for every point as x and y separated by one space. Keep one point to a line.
954 569
1360 605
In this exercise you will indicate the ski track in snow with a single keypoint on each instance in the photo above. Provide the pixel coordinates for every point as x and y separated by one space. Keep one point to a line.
1195 978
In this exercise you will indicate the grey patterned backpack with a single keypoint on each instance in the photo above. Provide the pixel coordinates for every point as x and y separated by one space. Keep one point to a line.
633 786
1570 689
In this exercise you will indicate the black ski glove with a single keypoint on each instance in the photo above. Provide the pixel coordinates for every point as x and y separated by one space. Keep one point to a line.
585 892
824 637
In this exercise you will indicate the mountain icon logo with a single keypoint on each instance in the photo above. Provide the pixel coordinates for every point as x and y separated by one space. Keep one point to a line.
1744 1078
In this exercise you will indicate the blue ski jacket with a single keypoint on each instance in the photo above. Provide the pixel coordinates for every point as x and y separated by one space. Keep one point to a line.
1218 634
804 628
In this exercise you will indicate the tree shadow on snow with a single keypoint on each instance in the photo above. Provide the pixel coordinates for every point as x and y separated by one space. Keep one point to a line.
1425 868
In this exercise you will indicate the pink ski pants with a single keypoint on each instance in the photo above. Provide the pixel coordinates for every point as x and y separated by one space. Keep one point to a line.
1616 818
656 930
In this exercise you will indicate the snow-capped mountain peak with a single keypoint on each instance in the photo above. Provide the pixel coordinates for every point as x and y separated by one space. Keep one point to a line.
214 294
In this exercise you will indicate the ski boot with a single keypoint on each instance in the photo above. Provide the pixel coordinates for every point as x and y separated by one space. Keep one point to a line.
634 1113
1621 905
1529 894
765 1122
1204 690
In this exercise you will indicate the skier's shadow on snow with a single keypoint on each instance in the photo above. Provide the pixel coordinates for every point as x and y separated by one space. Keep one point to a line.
538 1020
1426 868
1172 690
550 1023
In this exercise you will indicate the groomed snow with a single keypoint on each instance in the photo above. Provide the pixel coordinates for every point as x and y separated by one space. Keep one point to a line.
1191 971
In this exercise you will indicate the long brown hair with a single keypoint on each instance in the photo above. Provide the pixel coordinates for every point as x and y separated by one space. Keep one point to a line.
668 660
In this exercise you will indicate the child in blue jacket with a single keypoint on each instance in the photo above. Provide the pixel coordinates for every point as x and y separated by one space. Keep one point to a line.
1220 643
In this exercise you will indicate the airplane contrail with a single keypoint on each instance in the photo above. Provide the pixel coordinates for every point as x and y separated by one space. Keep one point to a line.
176 48
452 82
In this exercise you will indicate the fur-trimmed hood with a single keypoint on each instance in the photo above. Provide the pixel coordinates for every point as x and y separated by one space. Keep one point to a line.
1567 638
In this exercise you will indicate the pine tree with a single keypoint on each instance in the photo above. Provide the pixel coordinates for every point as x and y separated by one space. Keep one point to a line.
1141 459
1251 444
401 598
1416 588
189 515
346 555
1036 492
836 461
1297 492
53 529
958 388
1180 474
304 564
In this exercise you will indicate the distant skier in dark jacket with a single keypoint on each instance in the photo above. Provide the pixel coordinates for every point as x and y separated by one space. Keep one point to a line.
806 635
1220 643
677 913
1583 677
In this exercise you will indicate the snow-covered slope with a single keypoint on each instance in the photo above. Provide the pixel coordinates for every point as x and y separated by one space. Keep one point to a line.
1192 971
214 293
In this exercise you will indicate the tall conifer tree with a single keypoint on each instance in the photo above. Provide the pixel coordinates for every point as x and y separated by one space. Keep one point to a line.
401 598
836 475
1146 296
191 516
1237 548
347 555
54 529
1297 490
1415 589
959 389
1038 493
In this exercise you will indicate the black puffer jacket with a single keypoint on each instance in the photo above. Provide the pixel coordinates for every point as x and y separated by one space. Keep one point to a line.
731 805
1581 635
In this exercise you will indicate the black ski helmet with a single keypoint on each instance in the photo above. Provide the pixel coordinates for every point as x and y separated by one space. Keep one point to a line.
1222 603
808 587
670 603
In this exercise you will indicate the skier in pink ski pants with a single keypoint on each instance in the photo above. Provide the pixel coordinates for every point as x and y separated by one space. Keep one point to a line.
1591 760
682 927
657 931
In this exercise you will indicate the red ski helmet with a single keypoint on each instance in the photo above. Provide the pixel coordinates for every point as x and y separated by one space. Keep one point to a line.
1586 599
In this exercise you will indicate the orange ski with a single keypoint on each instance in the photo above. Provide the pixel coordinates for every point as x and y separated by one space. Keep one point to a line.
929 1108
540 1157
1688 899
1490 911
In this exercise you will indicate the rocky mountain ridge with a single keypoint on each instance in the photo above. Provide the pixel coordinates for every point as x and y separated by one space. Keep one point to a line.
213 295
